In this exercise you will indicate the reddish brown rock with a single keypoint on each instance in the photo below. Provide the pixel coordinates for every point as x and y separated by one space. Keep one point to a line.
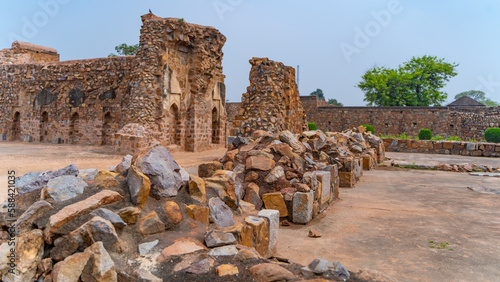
270 272
197 188
208 169
181 247
259 163
129 214
151 224
198 213
72 211
275 201
173 212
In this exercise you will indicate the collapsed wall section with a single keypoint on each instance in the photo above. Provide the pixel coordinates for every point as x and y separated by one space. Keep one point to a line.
179 92
272 100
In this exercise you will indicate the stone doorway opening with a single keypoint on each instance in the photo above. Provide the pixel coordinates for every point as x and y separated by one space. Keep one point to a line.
106 129
174 125
44 124
73 128
215 127
16 126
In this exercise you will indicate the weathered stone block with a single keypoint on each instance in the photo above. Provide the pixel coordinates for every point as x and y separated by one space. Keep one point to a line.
275 201
347 179
302 207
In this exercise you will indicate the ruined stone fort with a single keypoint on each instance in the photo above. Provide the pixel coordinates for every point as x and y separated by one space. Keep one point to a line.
172 93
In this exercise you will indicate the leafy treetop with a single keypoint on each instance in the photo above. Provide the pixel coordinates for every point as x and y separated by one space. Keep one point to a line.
125 50
415 83
479 96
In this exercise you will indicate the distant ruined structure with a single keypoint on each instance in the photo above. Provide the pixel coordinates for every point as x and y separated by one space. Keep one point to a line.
272 100
171 92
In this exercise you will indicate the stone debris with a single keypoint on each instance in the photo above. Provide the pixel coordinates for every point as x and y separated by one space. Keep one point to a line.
65 187
227 269
326 269
271 272
314 234
144 248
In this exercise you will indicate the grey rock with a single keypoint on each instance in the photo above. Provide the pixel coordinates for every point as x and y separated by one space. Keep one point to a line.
144 248
327 269
102 267
311 180
223 251
490 174
40 181
217 238
356 149
143 275
319 143
88 174
112 168
303 207
25 222
27 178
112 217
220 212
273 218
162 170
274 174
201 267
184 174
239 169
276 142
124 165
289 138
65 187
99 229
471 146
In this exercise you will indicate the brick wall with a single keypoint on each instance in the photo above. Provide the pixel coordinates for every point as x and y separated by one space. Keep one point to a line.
442 147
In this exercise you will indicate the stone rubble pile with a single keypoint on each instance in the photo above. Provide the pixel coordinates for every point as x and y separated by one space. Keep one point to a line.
149 220
297 175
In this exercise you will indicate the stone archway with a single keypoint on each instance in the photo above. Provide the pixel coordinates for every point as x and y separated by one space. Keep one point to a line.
174 123
106 129
215 127
44 126
73 128
16 126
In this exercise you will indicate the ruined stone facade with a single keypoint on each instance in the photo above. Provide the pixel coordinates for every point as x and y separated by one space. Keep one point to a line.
171 92
23 52
271 102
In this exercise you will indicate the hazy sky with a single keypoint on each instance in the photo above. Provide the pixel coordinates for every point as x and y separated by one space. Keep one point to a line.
334 42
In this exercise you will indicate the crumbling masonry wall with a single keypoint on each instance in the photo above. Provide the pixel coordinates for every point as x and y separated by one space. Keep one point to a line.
272 100
172 92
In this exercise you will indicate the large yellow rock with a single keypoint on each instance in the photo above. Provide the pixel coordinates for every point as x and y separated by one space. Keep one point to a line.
275 201
197 188
198 213
105 174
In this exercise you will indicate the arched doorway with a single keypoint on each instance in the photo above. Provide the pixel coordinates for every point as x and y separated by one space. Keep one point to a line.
16 126
44 126
174 133
106 129
73 128
215 126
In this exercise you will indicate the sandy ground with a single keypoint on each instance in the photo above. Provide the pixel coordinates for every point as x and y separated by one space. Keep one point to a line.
435 159
26 157
386 221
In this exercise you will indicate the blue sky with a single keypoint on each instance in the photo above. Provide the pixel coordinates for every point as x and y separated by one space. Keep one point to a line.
334 42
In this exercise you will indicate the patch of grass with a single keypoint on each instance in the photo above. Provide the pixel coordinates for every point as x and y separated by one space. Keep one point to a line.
401 136
439 246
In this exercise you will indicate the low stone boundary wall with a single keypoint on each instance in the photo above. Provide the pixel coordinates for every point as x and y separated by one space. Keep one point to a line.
480 149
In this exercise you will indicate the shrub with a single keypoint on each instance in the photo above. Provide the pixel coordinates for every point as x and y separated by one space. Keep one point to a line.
425 134
492 135
369 128
453 138
312 126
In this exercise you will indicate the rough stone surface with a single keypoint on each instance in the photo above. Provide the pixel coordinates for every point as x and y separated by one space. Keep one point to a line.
173 212
198 213
208 169
201 267
271 272
197 188
227 269
216 238
25 222
275 201
65 187
124 165
144 248
303 207
70 212
220 212
71 268
41 181
259 163
88 174
112 217
274 175
95 230
161 169
101 266
139 186
180 248
29 252
151 224
129 214
273 219
223 251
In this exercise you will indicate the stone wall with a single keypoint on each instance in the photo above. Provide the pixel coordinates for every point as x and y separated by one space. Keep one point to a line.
465 122
172 92
442 147
271 102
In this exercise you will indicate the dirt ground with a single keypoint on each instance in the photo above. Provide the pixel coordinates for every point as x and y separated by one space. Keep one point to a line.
384 223
24 157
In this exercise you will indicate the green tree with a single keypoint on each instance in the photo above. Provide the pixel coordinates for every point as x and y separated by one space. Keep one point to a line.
335 103
125 50
479 96
415 83
318 92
